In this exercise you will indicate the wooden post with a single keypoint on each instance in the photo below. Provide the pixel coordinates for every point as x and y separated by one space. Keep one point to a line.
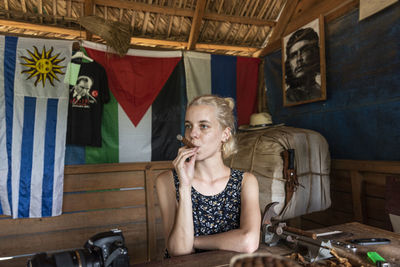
150 214
6 8
54 10
89 6
357 190
196 24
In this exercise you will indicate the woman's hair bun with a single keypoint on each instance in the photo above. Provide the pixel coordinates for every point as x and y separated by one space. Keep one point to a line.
231 102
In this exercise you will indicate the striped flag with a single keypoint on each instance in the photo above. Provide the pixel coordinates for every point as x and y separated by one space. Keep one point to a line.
144 114
4 188
33 108
227 76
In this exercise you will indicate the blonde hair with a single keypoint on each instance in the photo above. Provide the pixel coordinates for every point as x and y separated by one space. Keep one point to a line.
224 113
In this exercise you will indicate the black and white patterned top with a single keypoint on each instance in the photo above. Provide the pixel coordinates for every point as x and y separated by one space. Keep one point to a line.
218 213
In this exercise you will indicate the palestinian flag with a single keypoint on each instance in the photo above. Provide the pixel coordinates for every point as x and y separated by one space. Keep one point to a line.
145 113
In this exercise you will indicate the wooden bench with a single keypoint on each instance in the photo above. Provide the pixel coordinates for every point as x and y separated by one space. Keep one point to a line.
97 198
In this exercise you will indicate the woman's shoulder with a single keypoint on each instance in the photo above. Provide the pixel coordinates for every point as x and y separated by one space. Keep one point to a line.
164 177
166 173
249 177
244 174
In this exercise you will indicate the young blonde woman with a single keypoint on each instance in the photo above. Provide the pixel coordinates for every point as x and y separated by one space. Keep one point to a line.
205 205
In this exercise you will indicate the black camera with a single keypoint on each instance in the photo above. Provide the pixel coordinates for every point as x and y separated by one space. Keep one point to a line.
101 250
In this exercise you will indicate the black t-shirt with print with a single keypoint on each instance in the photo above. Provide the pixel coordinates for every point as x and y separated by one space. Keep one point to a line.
85 109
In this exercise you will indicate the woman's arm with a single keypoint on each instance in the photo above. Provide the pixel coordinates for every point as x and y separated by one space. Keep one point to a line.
246 238
177 216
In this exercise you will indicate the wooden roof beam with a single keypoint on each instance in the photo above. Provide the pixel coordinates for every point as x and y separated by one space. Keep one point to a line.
226 48
146 19
280 27
237 19
54 9
183 45
134 40
184 12
6 7
23 5
42 28
40 10
196 23
89 7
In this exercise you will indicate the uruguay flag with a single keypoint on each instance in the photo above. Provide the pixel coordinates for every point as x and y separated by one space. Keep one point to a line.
226 76
33 120
144 115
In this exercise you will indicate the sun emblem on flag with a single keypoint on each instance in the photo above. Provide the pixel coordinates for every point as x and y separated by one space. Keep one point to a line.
43 65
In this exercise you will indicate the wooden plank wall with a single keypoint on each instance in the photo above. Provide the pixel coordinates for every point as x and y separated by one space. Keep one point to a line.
97 198
358 194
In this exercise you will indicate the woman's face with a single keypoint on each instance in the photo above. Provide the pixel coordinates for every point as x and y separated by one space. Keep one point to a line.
203 130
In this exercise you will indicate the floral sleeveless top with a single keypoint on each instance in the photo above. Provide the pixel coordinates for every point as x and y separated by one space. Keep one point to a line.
218 213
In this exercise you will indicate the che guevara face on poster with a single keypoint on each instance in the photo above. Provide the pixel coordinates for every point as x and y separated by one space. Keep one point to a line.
303 77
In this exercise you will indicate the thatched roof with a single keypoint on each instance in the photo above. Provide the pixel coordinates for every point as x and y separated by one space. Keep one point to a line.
233 27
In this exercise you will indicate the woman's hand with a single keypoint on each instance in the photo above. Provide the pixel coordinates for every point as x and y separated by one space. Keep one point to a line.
184 165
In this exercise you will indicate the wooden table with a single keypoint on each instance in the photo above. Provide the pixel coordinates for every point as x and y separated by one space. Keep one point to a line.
390 252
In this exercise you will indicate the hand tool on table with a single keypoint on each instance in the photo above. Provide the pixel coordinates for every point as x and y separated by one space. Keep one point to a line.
272 233
317 248
370 241
344 245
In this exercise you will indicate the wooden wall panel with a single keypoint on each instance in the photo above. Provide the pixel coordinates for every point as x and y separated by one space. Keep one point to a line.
323 218
375 208
103 200
363 201
342 201
374 190
342 180
110 217
101 181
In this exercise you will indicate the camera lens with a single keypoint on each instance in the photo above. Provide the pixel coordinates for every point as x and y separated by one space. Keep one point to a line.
73 258
102 249
67 259
76 258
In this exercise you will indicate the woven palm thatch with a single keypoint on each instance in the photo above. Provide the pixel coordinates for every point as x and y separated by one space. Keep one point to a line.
229 27
116 34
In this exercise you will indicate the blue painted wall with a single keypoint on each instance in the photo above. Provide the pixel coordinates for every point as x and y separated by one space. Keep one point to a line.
361 117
